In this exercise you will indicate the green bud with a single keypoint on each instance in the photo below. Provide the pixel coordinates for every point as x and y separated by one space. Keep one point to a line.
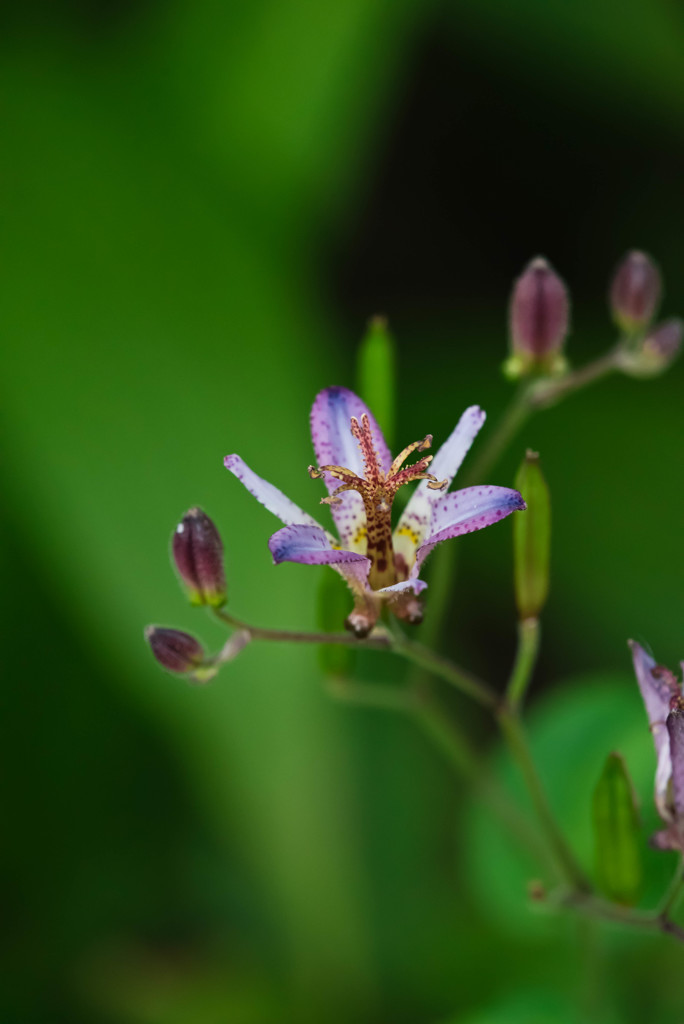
616 834
532 539
376 373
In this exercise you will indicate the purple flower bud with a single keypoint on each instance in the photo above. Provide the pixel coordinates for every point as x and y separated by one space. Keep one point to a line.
174 650
656 352
539 320
663 343
198 554
635 292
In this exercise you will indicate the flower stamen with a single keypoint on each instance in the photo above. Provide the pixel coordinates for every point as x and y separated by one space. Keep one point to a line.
377 489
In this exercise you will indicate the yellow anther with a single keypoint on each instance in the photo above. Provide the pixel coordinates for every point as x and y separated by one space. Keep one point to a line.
416 446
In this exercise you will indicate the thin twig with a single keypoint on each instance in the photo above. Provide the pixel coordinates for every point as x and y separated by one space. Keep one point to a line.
379 642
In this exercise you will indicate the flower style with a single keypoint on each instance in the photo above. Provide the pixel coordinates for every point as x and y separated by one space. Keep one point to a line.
381 566
664 702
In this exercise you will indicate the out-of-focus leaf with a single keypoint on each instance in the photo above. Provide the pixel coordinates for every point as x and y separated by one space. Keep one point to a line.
617 840
527 1007
569 733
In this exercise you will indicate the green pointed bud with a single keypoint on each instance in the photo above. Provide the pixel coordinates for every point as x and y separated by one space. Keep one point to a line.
377 374
333 608
616 834
532 539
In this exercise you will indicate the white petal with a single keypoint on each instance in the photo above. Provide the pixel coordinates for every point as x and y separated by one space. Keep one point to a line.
268 495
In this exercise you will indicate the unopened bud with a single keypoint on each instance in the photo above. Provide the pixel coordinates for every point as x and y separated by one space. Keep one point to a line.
532 539
174 650
635 292
656 352
539 321
198 554
377 373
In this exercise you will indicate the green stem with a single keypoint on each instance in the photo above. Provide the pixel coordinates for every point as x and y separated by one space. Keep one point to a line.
441 729
602 910
445 669
529 637
547 392
444 732
673 890
531 396
394 643
380 642
516 739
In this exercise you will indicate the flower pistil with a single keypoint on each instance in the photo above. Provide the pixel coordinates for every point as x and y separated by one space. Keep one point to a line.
378 489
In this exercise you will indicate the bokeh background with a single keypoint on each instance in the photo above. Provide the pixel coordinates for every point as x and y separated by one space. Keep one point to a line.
202 204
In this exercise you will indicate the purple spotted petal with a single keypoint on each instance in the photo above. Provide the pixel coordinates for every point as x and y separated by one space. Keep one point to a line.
656 693
414 525
268 495
448 459
310 545
465 511
675 731
334 445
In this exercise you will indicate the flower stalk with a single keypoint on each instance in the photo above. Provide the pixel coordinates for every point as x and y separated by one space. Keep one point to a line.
529 639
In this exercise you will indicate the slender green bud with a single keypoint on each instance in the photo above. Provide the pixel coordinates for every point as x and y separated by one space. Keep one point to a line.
174 650
635 292
377 374
532 539
539 321
616 834
198 554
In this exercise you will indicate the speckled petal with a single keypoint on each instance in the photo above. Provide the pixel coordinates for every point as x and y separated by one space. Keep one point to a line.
334 445
465 511
656 694
268 495
415 523
675 730
310 545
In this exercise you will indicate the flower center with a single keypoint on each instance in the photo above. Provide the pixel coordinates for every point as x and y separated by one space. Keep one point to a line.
377 490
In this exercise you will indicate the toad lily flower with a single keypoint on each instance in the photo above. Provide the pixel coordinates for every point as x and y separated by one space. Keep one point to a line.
664 702
381 566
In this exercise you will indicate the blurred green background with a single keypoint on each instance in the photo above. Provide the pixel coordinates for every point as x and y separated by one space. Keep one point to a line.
202 203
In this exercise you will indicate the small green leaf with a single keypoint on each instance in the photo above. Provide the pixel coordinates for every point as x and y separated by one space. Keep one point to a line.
616 834
532 539
377 374
334 604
